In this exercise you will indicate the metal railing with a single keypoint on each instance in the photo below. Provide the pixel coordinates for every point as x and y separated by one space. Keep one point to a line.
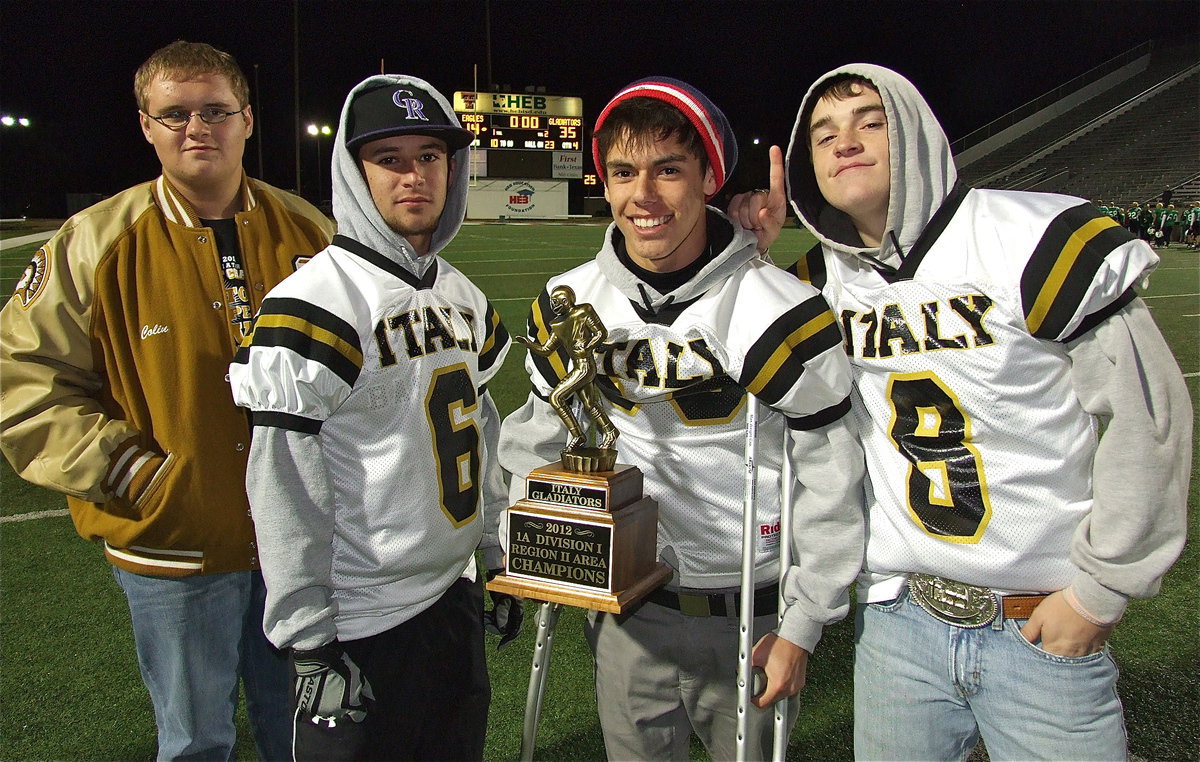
1042 101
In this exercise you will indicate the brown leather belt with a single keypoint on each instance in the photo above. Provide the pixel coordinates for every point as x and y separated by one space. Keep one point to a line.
1021 606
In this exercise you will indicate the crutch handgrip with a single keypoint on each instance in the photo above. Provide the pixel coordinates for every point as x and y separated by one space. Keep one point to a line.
758 684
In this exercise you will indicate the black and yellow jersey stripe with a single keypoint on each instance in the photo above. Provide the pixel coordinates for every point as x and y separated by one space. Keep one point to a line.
776 360
311 332
1063 267
810 267
495 339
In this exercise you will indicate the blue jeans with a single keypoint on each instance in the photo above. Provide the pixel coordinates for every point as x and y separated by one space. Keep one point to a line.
927 690
195 637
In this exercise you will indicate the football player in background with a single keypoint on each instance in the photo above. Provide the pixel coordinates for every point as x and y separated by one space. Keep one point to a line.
1191 219
1157 221
115 347
1170 217
372 475
695 320
1135 219
993 335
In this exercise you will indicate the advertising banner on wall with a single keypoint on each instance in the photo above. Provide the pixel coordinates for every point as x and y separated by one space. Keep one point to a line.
568 165
517 199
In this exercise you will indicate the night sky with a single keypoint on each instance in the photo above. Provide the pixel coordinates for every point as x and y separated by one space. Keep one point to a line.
69 65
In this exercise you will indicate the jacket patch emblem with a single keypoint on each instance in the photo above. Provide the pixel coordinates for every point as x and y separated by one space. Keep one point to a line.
153 330
32 280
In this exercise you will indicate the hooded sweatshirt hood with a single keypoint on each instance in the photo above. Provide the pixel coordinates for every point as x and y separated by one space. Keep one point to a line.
731 246
922 169
354 208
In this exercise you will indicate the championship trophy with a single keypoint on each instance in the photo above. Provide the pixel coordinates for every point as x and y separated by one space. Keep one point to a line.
584 534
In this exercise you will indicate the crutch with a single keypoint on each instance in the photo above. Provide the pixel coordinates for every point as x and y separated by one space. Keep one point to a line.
547 621
745 681
781 730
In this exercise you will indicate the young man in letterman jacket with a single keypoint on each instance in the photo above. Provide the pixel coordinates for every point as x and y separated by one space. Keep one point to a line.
992 335
116 346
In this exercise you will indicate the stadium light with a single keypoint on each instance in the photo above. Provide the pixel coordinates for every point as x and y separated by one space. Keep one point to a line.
317 131
9 120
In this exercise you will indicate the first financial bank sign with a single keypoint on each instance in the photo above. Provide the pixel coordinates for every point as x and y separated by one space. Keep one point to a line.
567 165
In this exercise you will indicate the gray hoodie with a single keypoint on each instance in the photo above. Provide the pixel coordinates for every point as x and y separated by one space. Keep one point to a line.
919 148
354 209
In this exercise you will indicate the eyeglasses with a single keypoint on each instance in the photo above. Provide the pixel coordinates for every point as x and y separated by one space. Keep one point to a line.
177 120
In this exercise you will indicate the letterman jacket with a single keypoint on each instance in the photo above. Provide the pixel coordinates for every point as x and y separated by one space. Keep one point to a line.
114 350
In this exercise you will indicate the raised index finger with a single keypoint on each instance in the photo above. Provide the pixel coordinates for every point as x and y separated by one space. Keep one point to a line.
776 198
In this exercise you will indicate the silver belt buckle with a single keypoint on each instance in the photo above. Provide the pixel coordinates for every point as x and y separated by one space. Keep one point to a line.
955 603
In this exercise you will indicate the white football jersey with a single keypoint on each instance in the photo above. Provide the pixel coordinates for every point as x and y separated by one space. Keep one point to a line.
979 455
389 371
675 386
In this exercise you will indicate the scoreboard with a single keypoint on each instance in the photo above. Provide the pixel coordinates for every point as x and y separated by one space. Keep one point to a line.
529 132
528 156
524 135
522 121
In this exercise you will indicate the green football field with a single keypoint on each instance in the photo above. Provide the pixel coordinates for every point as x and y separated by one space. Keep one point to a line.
69 683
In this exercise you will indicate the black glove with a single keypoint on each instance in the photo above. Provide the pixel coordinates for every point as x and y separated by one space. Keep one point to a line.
505 616
332 701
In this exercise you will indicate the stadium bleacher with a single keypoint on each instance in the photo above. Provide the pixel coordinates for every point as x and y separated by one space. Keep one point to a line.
1133 139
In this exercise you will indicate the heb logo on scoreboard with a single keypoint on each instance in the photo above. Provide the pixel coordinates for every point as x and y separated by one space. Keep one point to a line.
520 197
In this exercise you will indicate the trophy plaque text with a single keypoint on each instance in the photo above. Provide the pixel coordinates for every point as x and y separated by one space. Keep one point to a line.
583 539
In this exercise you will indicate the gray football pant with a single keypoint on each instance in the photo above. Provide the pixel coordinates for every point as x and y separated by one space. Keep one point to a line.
661 674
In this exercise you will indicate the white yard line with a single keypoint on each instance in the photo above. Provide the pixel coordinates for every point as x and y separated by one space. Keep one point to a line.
33 515
506 275
21 240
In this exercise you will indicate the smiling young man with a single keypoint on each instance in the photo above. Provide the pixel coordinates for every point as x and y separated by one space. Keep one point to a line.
372 475
695 320
115 348
1027 432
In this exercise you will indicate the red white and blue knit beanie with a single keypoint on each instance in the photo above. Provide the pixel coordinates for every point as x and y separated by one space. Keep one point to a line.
709 121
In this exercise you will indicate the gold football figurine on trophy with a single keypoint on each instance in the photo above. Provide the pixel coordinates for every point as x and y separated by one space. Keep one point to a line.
579 331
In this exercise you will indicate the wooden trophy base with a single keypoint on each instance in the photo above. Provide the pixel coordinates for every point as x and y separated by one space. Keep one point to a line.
613 603
583 539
